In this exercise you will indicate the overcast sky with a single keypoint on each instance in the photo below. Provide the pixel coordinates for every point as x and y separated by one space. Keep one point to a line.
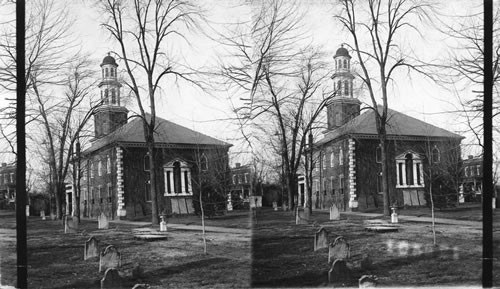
198 110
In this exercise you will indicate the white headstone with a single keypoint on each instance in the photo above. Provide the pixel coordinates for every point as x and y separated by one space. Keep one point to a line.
102 221
334 213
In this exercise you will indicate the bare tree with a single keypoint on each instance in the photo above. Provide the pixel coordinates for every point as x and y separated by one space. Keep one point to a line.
144 30
382 21
282 77
62 119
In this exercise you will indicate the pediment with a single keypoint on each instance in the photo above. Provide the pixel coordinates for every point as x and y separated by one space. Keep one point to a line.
170 164
415 155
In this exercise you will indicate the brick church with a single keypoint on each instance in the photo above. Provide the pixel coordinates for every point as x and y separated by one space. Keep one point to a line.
347 158
116 169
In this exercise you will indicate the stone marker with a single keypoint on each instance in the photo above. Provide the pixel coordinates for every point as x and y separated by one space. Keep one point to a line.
339 272
91 248
102 221
68 226
334 213
42 214
320 239
110 258
111 279
368 281
338 250
366 262
275 206
300 218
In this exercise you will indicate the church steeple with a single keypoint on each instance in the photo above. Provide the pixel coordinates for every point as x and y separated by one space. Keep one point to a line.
110 115
344 106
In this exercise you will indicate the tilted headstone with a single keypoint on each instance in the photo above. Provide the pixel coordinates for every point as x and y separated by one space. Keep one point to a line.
338 250
103 222
300 218
339 272
91 248
334 213
110 258
320 239
368 281
68 225
111 279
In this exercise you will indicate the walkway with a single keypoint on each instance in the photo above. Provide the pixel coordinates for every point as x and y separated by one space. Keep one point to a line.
417 219
186 227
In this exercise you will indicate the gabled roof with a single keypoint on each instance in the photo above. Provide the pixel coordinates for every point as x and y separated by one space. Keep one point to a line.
398 125
166 133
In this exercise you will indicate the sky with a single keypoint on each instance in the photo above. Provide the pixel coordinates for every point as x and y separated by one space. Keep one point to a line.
208 112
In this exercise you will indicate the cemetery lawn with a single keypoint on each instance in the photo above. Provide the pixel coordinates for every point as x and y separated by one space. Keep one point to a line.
283 256
56 259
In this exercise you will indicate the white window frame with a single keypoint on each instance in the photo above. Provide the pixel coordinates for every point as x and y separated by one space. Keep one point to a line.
11 178
99 168
478 172
417 162
108 165
168 171
341 156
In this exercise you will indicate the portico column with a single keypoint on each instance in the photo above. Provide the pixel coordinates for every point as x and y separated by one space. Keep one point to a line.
415 164
403 171
189 181
421 174
183 185
171 177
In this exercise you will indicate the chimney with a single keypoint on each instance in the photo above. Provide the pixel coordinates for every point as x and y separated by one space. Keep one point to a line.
238 165
470 157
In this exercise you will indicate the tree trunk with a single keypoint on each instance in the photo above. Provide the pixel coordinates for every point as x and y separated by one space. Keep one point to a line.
290 184
385 179
59 194
154 198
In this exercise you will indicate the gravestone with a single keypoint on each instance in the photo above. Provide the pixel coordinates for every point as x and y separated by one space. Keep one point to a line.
275 206
91 248
300 218
102 221
368 281
111 279
68 225
110 258
334 213
141 286
320 239
366 262
338 250
42 214
339 272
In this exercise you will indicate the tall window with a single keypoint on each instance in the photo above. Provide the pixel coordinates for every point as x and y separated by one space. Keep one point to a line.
379 182
147 191
99 168
409 169
12 178
346 87
436 157
324 161
91 170
106 72
110 192
177 178
146 162
108 165
345 63
246 177
341 156
378 154
339 87
203 162
332 159
113 96
106 96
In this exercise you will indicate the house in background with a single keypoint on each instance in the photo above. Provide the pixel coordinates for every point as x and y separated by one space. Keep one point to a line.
116 165
8 185
472 184
243 188
347 158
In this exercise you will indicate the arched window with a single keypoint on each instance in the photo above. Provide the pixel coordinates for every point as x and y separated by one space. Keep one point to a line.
409 169
113 96
177 177
106 72
146 163
332 158
345 63
346 88
203 162
106 96
378 154
339 87
436 156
